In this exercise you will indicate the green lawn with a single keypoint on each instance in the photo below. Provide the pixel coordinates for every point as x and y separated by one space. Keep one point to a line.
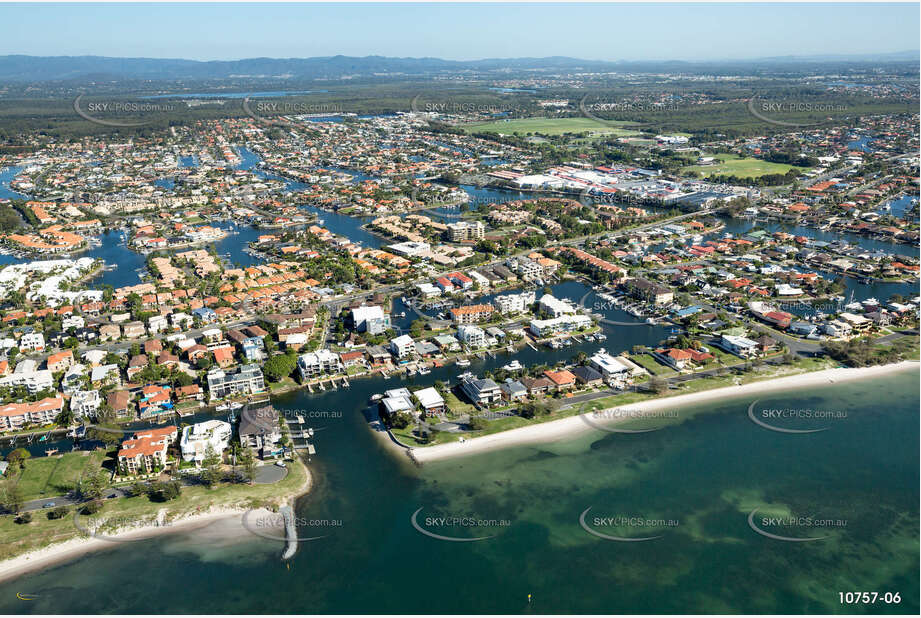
22 538
551 126
647 362
748 167
55 475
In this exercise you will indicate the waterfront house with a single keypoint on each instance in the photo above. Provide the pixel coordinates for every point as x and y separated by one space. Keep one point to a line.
587 376
431 401
740 346
260 429
481 391
513 390
198 437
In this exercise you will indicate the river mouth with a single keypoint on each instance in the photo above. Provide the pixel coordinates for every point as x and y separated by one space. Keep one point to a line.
689 488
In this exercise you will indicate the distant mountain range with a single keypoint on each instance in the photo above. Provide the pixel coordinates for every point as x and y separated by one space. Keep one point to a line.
53 68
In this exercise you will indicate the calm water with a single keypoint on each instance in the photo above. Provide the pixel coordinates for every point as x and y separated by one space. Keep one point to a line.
705 472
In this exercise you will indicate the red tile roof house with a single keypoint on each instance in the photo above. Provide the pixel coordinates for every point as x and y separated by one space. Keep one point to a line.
350 359
136 365
673 357
562 380
223 356
60 361
146 451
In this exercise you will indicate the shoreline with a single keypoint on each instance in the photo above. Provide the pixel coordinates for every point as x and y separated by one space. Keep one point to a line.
73 548
573 426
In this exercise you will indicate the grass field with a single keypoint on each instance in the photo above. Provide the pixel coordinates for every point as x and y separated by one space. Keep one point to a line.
21 538
551 126
743 168
55 475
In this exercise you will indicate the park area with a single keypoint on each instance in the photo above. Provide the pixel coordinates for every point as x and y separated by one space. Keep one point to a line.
55 475
748 167
552 126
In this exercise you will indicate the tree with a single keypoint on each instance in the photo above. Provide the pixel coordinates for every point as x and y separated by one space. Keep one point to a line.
18 457
24 518
92 507
109 434
11 498
248 463
58 512
164 492
91 486
658 384
65 418
279 367
211 472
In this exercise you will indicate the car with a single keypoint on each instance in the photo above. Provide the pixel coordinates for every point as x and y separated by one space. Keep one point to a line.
48 505
280 464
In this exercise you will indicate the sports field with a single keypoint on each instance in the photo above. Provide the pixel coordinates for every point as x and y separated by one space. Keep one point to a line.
551 126
743 168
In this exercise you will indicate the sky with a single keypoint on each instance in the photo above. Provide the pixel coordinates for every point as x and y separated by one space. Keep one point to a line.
458 31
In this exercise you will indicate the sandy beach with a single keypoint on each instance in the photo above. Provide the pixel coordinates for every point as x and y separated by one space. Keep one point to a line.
575 425
230 516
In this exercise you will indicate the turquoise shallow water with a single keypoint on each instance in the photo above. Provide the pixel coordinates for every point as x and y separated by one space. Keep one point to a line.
693 483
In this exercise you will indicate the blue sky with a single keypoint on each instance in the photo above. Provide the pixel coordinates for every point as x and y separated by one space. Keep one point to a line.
458 31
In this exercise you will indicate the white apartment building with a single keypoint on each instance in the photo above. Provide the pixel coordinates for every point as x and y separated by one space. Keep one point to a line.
471 335
514 303
85 404
315 363
196 439
32 341
556 307
402 346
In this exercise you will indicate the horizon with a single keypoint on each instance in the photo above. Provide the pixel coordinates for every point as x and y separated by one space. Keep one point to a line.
461 32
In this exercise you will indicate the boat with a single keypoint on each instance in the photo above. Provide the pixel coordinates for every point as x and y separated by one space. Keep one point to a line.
377 397
236 405
650 320
224 407
513 366
425 371
463 362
